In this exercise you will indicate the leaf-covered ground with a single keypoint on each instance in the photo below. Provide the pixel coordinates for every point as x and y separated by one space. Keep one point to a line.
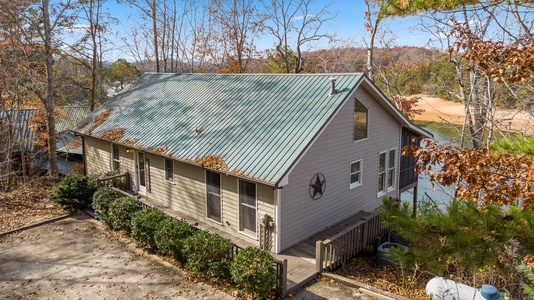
363 268
27 205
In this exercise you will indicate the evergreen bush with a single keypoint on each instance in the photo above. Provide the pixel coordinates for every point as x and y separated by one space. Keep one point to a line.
208 256
74 192
102 199
143 226
254 272
170 235
121 211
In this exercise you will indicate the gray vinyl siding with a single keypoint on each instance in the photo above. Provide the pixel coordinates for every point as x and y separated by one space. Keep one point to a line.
187 193
331 154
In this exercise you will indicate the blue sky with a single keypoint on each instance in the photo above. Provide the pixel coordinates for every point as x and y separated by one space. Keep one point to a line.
349 25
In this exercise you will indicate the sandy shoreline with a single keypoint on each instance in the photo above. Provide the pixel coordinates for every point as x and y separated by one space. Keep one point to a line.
443 111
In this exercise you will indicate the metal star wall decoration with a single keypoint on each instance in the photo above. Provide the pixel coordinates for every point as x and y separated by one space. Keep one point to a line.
317 186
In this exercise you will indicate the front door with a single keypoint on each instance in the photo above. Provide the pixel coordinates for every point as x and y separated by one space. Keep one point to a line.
141 175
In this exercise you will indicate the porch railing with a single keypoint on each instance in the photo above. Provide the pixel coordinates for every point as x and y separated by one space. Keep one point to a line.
121 181
335 251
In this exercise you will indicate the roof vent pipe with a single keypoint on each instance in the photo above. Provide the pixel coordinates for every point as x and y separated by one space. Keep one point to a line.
333 90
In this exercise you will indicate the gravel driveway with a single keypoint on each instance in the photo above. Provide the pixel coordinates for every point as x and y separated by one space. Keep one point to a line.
77 258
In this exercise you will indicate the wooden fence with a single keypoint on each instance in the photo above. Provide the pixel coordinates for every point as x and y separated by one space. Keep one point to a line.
335 251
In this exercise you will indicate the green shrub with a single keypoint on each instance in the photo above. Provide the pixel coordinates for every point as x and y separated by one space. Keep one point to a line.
254 272
102 199
121 211
144 223
170 235
208 256
74 192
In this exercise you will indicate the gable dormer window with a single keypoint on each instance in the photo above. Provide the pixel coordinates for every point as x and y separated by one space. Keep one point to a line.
361 121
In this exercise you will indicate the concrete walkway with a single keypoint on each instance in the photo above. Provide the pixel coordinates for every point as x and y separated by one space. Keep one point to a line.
76 258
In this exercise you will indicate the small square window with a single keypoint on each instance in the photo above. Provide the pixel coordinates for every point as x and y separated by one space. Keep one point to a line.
355 174
169 170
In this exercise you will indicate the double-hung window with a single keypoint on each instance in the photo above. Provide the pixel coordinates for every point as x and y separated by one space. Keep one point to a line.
169 170
391 169
355 174
213 196
382 173
386 171
116 158
247 207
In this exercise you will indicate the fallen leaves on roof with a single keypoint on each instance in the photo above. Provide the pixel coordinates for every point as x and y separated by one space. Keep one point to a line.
101 118
214 162
113 134
159 150
238 172
75 143
130 142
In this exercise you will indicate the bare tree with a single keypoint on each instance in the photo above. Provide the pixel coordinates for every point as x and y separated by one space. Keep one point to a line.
374 13
502 23
293 24
149 9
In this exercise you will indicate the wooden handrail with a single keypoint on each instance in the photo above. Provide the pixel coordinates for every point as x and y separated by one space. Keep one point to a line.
348 229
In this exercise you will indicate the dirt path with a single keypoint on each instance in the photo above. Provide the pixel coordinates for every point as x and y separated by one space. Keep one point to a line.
443 111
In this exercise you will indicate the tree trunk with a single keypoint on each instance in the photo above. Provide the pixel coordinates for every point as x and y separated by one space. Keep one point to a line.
49 97
155 32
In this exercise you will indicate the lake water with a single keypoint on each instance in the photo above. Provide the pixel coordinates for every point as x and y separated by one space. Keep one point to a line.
441 195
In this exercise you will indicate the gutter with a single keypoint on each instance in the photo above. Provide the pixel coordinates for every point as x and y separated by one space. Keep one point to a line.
186 161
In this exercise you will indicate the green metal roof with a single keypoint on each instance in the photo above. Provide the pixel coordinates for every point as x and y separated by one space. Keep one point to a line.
259 124
71 116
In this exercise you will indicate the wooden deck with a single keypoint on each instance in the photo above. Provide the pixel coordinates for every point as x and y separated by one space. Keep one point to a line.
301 267
301 257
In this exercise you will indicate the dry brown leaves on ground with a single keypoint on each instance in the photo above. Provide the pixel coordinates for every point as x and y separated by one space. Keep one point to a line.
27 205
363 268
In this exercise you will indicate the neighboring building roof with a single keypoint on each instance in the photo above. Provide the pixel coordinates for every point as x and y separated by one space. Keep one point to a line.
20 119
72 116
259 124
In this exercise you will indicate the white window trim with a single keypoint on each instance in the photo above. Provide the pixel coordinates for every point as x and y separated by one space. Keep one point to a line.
353 185
165 170
245 233
206 196
113 160
382 192
393 187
